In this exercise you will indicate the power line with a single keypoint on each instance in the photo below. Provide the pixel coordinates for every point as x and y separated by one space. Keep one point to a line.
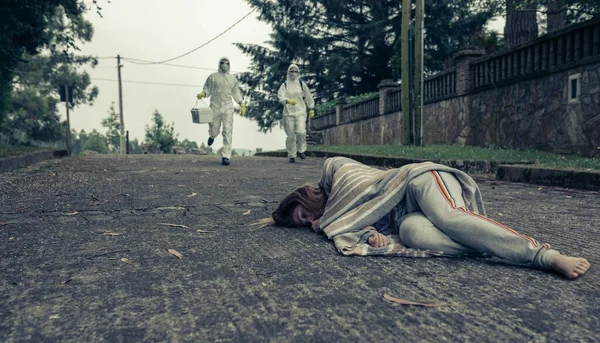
203 45
142 62
148 83
148 63
101 79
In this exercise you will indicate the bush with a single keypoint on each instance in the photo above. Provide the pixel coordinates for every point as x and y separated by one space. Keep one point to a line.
96 143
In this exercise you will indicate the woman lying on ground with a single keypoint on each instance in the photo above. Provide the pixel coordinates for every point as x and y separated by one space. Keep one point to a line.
435 209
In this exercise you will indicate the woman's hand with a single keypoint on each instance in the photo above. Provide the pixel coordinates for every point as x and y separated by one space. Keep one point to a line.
378 240
315 225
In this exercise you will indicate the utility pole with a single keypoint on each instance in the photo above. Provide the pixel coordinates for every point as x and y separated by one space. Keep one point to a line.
418 78
122 145
68 120
406 127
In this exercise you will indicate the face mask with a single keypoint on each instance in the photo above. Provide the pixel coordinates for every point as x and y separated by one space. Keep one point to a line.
293 76
224 67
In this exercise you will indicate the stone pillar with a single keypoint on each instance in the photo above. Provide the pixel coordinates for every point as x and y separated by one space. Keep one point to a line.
463 59
339 105
385 87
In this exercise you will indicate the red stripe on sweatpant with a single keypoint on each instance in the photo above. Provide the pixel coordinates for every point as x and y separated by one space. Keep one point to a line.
530 239
446 194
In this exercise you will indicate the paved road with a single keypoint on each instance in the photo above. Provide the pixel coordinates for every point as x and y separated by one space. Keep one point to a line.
69 225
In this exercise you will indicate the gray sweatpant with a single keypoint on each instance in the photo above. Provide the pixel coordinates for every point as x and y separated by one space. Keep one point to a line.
439 220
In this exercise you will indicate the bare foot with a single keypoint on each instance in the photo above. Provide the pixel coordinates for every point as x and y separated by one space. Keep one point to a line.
571 267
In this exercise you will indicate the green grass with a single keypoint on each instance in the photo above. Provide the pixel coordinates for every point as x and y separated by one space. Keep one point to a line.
450 152
7 150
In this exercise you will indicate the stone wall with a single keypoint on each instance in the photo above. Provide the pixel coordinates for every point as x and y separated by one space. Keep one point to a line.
534 114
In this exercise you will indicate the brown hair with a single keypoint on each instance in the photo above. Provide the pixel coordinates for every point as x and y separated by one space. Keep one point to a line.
310 197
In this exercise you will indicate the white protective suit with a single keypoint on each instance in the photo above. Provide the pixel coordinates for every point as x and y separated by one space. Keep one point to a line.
221 87
294 116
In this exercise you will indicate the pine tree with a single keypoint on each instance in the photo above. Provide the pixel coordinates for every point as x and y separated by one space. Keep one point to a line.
345 48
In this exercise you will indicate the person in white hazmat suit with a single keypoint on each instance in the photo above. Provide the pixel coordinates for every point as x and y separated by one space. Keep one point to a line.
221 87
295 96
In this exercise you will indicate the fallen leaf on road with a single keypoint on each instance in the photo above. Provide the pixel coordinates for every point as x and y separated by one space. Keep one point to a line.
70 214
500 214
175 253
175 225
110 233
203 231
192 195
126 260
246 213
406 302
66 281
11 238
220 185
97 203
180 185
569 196
539 189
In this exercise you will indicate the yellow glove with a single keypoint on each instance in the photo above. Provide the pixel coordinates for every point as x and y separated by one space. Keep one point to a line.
201 95
242 110
291 102
311 113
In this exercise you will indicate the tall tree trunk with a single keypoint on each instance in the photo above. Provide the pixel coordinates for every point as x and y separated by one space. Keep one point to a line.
521 25
557 15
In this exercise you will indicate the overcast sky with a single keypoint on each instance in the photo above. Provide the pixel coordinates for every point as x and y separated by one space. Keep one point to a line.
157 30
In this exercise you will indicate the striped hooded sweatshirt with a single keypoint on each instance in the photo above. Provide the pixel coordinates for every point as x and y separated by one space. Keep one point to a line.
359 195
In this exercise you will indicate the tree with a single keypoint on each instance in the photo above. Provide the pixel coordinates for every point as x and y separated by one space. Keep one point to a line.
346 48
112 124
78 141
188 145
96 142
24 26
134 147
521 23
33 102
33 118
161 134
